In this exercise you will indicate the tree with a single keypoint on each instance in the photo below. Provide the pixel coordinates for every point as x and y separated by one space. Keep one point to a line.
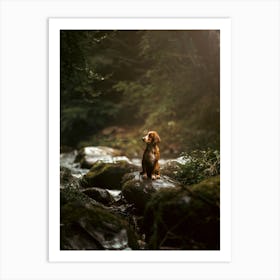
163 79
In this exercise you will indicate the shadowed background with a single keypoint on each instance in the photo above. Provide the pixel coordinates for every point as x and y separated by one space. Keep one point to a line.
117 85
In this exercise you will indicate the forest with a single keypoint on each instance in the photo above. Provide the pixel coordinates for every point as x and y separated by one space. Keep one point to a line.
115 87
168 81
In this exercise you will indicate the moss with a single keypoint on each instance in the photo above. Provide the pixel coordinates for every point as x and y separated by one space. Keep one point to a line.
89 226
208 190
184 218
71 213
171 169
100 195
107 175
72 195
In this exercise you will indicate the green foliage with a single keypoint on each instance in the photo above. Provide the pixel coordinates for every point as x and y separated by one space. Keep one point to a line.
199 165
157 79
86 103
180 86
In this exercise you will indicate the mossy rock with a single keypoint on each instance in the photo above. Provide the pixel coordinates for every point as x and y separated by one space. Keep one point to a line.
68 195
171 168
67 180
100 195
86 225
107 175
139 191
207 190
184 218
93 228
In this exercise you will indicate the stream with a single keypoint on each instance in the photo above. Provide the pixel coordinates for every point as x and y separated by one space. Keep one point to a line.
68 160
112 207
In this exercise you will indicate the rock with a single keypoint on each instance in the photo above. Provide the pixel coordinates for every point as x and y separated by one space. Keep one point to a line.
67 180
89 155
107 175
84 225
172 167
184 218
100 195
138 191
68 195
67 159
116 194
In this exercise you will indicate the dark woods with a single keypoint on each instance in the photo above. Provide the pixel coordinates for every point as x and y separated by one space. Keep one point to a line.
115 87
162 80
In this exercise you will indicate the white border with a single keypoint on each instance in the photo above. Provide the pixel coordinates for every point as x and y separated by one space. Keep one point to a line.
24 139
55 25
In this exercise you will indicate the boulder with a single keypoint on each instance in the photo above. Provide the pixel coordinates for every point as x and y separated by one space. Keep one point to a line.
172 167
87 156
67 180
100 195
138 191
85 225
69 195
107 175
185 218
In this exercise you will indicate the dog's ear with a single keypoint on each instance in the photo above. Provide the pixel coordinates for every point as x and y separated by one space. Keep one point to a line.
156 138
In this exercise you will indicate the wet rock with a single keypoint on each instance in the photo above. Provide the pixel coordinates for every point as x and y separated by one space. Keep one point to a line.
67 180
107 175
184 218
84 225
172 167
89 155
116 194
69 195
67 160
100 195
138 191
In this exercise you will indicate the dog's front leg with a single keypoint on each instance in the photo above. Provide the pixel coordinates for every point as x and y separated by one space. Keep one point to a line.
144 171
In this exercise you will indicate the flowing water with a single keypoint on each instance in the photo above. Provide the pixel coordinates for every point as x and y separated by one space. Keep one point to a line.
120 241
68 160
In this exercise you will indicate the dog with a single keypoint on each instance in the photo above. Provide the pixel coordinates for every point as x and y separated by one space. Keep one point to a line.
151 155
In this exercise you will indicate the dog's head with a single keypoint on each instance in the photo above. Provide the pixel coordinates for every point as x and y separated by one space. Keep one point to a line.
151 138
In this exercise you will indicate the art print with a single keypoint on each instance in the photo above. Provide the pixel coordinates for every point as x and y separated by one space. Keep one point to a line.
139 124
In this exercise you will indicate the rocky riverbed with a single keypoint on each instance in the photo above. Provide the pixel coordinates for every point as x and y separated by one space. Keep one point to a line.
107 205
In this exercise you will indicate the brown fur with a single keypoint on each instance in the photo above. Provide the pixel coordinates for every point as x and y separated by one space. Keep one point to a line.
150 164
